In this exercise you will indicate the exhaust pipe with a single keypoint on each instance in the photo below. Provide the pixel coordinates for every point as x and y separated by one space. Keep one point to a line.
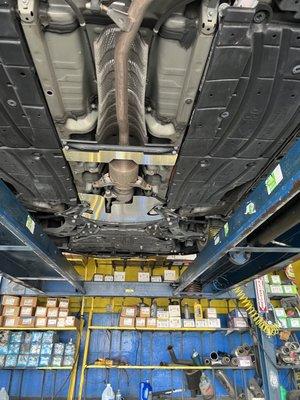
124 173
136 14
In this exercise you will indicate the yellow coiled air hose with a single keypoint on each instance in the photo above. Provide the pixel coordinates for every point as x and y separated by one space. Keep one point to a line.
267 327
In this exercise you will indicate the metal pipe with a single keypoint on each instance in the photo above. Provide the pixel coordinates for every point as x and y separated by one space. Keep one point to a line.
175 359
226 383
88 146
136 13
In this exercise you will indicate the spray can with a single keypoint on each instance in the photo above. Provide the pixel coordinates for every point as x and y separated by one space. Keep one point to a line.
196 358
145 389
153 309
186 311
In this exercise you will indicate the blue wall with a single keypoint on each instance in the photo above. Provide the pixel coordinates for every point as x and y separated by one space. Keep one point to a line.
147 348
150 348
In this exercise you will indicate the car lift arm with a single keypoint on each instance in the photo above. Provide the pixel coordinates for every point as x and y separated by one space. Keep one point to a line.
224 264
25 249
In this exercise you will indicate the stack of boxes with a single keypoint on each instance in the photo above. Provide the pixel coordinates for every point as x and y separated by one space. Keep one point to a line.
287 318
25 312
34 349
170 275
275 286
141 317
238 318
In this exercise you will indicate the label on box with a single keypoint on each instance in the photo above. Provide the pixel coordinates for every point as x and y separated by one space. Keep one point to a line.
70 321
289 289
188 323
63 312
11 311
11 321
277 289
63 303
41 312
140 322
275 279
214 323
26 312
119 276
41 321
126 322
175 322
170 275
238 323
174 310
28 301
27 321
280 312
10 300
51 302
61 321
210 313
52 322
202 323
145 312
163 314
151 322
163 323
244 362
294 322
156 279
98 278
128 311
143 276
52 312
108 278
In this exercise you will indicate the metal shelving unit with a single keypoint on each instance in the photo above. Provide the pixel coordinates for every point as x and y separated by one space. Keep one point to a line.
166 367
72 369
90 328
145 329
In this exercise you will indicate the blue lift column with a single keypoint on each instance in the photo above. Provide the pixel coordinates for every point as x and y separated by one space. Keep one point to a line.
26 251
231 258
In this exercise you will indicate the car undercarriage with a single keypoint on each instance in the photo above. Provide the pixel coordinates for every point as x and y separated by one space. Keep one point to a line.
137 127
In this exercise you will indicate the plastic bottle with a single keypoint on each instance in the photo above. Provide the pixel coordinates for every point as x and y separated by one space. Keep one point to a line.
3 394
119 395
145 389
283 393
108 393
206 388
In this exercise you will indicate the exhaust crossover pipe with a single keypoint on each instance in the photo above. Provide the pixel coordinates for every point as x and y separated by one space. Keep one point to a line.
124 173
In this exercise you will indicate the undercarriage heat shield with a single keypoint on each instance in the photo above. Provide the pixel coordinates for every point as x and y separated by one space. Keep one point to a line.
107 129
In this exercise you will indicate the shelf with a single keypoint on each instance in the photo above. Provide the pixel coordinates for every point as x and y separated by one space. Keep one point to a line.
36 368
120 328
160 367
288 367
23 328
281 295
